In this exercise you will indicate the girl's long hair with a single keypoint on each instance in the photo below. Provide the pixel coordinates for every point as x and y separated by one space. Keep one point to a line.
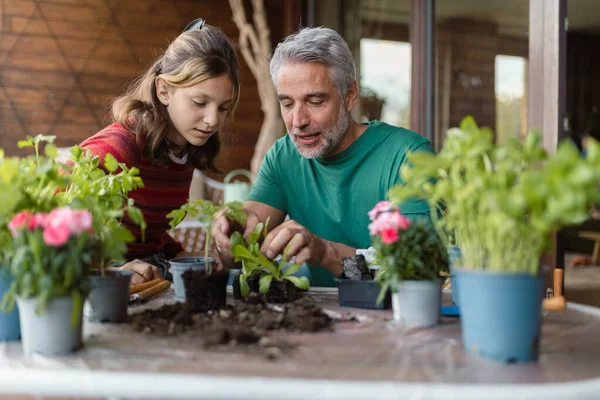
192 57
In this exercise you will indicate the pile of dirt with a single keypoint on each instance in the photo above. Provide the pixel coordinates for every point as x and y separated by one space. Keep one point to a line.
244 324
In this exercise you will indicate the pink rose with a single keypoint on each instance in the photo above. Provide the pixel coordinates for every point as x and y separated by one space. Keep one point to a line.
381 208
389 236
56 236
20 221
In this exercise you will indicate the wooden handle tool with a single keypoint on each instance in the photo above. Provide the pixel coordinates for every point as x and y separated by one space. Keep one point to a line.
558 302
143 286
147 294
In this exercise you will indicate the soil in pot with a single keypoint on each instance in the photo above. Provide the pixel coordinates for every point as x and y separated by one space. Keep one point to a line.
204 291
282 291
253 283
245 325
356 268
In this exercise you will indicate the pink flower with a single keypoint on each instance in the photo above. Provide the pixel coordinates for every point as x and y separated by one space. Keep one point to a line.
56 236
21 220
389 236
381 208
388 220
75 221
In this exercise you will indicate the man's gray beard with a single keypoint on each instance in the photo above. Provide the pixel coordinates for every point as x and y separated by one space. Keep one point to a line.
331 138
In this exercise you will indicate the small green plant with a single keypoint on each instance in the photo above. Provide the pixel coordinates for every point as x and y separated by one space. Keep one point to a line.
204 211
501 202
104 192
254 262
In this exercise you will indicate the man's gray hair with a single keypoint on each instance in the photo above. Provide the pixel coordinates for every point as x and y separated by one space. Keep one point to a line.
319 45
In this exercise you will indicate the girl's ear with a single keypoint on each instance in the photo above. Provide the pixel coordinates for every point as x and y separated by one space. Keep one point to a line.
163 91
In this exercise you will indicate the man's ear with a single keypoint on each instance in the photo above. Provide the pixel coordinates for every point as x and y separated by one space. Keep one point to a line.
351 96
163 91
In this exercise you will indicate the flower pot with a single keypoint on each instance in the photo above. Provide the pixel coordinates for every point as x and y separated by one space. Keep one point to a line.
10 328
181 264
417 303
501 314
50 333
361 294
204 292
453 257
109 297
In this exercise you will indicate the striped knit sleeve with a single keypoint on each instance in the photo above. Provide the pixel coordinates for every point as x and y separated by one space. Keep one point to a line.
118 142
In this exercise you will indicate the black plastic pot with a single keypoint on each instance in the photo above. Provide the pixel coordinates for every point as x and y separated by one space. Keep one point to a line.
362 294
109 297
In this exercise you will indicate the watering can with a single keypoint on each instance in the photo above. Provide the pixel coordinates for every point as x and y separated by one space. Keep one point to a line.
237 191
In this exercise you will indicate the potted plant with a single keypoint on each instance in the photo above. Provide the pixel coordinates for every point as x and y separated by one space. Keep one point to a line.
411 258
193 277
25 184
502 202
50 264
273 279
103 191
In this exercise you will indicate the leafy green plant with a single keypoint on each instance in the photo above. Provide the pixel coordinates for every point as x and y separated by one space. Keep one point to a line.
104 192
29 183
254 262
501 202
204 211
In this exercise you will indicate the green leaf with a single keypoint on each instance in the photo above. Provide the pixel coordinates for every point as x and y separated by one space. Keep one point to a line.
301 282
255 234
265 283
25 143
244 288
50 150
292 269
110 163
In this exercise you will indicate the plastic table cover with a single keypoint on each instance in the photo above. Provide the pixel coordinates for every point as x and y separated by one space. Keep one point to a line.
373 357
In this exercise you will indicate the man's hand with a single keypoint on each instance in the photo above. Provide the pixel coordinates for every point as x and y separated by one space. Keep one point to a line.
142 271
297 241
223 228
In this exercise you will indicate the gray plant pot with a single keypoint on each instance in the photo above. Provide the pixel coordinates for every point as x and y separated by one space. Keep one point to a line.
181 264
51 332
109 297
417 303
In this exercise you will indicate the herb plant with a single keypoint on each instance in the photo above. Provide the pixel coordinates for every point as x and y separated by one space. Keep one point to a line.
254 262
103 191
501 202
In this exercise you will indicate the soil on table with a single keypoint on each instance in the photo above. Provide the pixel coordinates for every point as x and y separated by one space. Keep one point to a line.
242 325
282 291
204 291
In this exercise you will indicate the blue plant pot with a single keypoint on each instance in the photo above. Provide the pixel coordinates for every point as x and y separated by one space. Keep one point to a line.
500 314
453 256
10 327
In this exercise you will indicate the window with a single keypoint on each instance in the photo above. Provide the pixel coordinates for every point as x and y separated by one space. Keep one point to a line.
510 97
385 68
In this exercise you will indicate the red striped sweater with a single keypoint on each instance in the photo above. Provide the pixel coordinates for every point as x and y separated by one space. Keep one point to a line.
165 189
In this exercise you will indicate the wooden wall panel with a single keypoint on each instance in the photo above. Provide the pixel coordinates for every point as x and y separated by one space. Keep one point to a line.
63 61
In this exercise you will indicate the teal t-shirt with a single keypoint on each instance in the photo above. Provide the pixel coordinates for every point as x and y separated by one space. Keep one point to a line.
332 196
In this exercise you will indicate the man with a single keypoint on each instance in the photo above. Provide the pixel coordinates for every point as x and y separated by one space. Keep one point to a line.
329 170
